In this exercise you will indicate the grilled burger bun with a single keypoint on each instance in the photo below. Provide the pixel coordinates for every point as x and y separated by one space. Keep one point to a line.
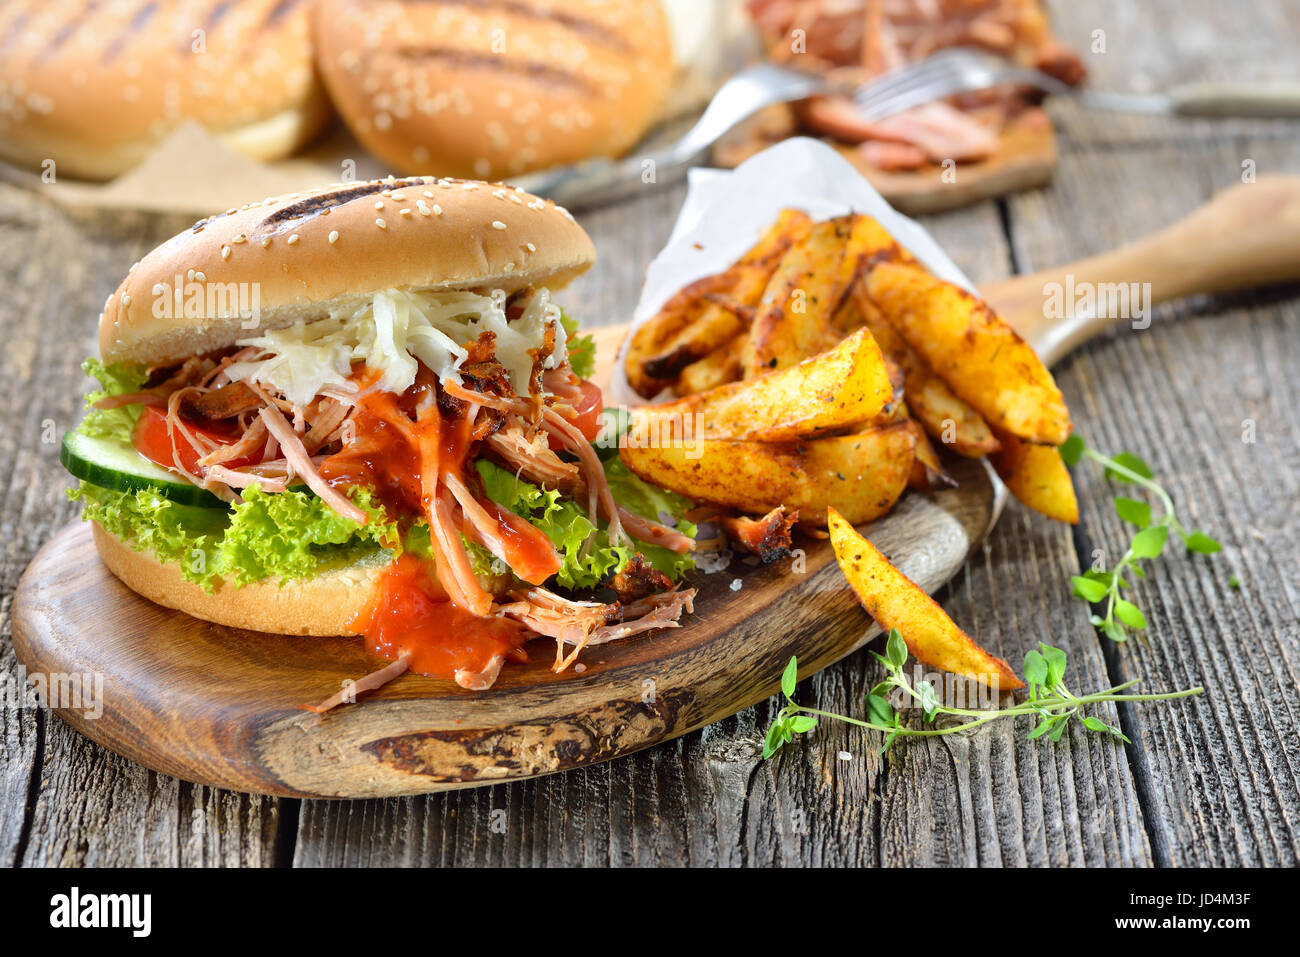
494 88
332 248
94 87
474 236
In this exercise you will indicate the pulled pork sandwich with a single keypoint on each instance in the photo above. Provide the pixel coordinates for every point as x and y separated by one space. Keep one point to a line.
357 411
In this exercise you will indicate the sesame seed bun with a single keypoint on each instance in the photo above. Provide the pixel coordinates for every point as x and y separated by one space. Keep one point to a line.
494 88
324 605
332 248
95 86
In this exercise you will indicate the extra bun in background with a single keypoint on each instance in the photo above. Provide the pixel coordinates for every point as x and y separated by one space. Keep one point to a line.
95 86
494 88
332 248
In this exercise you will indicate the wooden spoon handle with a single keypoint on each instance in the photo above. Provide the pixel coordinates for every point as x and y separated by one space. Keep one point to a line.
1248 235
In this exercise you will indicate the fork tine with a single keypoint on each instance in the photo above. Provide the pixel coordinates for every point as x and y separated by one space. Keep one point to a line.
943 74
907 75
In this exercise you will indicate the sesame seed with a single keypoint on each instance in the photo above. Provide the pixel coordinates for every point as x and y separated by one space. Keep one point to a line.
241 238
428 195
399 196
437 210
404 212
510 267
516 200
126 300
423 207
158 289
199 276
531 247
334 236
293 239
379 204
266 241
225 252
381 224
497 224
189 274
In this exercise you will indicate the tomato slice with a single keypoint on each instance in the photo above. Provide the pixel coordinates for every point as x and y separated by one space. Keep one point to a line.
152 441
588 406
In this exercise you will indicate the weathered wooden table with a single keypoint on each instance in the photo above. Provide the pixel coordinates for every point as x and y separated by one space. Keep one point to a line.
1214 780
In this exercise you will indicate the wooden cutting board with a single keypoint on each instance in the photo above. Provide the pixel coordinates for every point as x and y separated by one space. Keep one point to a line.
220 706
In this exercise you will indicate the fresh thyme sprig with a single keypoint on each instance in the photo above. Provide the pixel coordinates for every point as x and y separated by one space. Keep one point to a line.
1048 699
1103 586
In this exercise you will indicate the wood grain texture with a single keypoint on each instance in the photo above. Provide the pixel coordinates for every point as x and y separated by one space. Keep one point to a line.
1219 773
1210 781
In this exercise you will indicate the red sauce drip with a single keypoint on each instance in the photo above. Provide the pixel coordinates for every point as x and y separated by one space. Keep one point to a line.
412 616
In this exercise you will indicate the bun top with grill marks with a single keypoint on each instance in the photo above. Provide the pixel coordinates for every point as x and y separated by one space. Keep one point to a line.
95 84
297 257
494 88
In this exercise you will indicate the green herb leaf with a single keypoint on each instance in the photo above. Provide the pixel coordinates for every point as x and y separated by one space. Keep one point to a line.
790 678
1131 462
1072 450
1035 668
1149 542
1133 511
1130 614
1202 544
896 649
802 723
880 710
1089 589
1056 659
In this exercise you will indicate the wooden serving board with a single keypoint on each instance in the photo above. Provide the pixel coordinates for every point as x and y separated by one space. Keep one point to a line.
219 705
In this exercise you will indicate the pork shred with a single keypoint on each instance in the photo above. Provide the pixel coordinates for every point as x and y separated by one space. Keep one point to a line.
767 537
857 40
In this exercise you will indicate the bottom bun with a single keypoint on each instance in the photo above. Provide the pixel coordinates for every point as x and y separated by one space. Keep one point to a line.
324 605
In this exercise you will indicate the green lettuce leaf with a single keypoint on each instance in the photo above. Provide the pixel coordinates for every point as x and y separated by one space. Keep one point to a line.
115 379
582 349
287 535
568 527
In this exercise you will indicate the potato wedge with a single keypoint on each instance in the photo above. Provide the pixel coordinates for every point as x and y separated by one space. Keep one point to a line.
927 474
895 601
719 367
849 384
792 320
944 416
681 309
1037 476
868 244
861 475
979 356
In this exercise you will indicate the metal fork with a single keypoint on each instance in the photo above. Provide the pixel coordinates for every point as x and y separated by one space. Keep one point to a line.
966 69
601 180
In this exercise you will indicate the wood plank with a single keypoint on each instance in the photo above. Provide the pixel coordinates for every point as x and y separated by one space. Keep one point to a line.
1218 774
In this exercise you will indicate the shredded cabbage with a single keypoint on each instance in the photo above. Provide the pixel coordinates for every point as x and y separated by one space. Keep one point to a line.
391 332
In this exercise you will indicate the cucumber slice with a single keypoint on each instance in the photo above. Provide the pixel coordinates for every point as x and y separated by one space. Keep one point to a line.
112 465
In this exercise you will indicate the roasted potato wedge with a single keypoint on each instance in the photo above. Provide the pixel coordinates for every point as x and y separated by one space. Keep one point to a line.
895 601
846 385
793 317
944 416
927 474
721 310
653 335
868 244
861 475
719 367
979 356
1037 476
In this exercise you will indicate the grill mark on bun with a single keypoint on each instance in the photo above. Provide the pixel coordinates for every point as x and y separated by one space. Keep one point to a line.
279 12
14 30
65 32
591 29
315 205
544 73
136 24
